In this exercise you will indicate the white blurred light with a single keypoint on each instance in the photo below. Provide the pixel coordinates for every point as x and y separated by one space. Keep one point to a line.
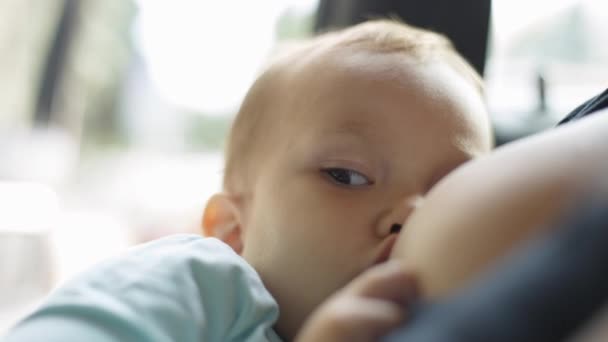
27 207
204 54
508 17
84 238
44 155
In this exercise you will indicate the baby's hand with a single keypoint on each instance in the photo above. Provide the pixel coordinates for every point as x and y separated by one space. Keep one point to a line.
366 309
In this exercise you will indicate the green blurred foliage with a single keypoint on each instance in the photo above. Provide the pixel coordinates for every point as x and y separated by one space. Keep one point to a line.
294 25
207 132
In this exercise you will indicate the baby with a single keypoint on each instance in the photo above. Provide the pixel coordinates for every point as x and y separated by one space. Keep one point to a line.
334 146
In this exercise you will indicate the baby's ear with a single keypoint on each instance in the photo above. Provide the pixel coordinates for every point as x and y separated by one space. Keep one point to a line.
222 220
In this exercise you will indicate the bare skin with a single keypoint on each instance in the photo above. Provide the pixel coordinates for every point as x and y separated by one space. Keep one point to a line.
477 214
365 310
351 144
484 208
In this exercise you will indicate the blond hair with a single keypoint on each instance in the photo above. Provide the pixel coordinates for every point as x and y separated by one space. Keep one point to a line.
376 36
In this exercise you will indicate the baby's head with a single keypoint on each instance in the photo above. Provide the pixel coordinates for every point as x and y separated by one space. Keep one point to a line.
333 147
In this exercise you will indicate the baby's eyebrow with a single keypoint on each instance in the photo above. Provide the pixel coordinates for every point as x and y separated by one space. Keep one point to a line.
353 127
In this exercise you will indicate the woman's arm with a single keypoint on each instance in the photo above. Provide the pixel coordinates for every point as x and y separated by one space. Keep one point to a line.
480 211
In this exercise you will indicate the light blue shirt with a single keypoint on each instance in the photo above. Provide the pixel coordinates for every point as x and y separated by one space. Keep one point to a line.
180 288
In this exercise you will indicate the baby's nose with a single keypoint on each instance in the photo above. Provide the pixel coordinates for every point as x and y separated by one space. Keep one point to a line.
396 228
395 219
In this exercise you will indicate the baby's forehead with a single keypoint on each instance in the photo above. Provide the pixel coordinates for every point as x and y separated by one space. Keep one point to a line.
329 69
320 76
316 62
332 79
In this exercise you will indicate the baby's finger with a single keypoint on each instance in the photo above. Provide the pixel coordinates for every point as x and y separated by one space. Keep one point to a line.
389 281
353 319
366 309
370 319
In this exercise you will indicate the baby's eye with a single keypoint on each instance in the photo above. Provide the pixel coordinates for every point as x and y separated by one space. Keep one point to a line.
347 177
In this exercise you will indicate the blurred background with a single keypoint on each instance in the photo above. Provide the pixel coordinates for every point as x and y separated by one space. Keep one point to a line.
113 113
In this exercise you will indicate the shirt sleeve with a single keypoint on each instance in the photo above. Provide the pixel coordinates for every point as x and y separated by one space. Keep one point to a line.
181 288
